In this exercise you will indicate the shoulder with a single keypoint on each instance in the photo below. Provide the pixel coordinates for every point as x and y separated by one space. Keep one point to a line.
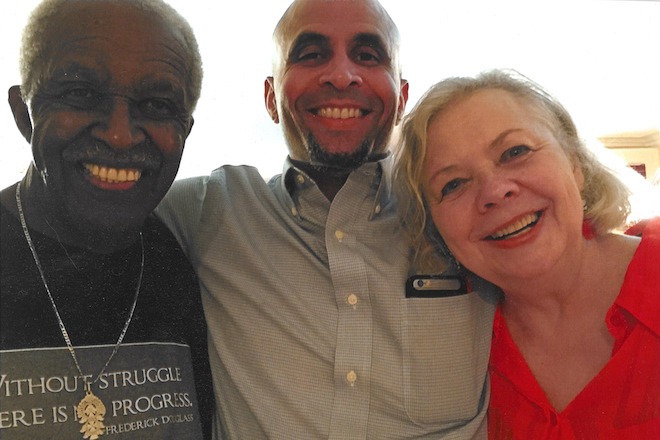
220 180
649 247
159 239
641 291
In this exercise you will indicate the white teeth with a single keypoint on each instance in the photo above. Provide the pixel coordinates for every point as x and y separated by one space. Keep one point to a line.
517 226
113 175
340 113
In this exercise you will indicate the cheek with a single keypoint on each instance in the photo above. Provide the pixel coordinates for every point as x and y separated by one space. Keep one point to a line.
390 93
288 94
168 138
442 220
454 226
59 125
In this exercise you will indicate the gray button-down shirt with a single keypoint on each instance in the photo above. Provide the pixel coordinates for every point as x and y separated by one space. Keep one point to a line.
311 335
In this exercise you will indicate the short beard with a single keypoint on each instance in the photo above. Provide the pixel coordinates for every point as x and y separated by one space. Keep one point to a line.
348 161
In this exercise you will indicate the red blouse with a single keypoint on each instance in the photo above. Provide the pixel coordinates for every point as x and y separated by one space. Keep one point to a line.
622 401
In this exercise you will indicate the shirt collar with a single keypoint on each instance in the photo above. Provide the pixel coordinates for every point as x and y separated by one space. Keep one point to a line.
378 173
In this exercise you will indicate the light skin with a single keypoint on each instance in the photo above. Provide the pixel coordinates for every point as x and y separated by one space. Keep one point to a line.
336 89
108 123
495 163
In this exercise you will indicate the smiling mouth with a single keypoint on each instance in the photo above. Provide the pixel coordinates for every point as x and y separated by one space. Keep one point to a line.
112 175
517 228
339 112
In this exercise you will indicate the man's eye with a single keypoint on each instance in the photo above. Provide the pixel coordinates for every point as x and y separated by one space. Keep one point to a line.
514 152
309 54
81 97
367 56
158 108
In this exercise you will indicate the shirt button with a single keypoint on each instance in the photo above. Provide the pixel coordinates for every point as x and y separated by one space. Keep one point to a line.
300 178
340 235
294 211
377 209
351 377
352 299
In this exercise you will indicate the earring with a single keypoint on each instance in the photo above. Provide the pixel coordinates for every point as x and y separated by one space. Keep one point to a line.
587 225
44 176
588 229
443 250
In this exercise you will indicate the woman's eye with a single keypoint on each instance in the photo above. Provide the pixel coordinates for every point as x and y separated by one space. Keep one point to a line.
451 187
513 152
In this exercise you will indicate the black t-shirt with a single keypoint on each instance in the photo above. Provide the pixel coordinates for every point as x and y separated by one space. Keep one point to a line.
93 293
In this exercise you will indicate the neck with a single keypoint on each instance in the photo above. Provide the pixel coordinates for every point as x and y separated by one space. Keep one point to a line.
590 281
329 179
41 218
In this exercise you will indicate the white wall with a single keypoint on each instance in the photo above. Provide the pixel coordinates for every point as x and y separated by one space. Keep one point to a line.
600 58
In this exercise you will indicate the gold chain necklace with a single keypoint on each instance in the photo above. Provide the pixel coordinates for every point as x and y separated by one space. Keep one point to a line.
90 410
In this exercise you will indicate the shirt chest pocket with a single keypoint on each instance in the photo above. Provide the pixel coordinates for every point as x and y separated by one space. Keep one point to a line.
446 344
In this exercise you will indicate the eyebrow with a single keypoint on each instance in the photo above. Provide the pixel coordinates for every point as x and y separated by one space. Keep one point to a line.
361 39
500 138
306 39
75 71
372 40
497 141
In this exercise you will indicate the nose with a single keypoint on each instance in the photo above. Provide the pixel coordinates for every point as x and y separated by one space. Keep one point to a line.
496 190
341 73
118 128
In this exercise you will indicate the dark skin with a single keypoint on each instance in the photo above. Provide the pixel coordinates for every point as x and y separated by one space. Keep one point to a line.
108 124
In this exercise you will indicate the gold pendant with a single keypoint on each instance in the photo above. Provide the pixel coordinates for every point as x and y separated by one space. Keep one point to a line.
91 412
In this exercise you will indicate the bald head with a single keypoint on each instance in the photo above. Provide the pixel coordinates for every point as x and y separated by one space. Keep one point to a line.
286 29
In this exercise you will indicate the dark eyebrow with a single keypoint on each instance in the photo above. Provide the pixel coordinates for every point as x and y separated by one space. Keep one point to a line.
75 71
371 40
375 42
306 39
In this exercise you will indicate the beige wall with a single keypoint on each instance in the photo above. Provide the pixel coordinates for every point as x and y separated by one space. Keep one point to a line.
639 149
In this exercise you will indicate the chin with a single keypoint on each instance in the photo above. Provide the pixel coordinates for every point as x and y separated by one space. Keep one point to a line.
350 159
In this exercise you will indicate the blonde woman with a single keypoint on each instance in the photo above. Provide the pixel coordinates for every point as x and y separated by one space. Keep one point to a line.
498 179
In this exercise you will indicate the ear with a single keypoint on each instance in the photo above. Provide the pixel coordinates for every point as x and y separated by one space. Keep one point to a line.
270 100
578 174
403 99
21 114
192 122
190 126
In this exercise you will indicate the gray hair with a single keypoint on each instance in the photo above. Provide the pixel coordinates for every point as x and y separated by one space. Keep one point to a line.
34 44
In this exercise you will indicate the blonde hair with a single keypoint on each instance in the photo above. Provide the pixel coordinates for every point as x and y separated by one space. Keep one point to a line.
605 196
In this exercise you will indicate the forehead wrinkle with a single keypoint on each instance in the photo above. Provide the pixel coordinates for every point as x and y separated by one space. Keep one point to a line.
79 71
177 63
